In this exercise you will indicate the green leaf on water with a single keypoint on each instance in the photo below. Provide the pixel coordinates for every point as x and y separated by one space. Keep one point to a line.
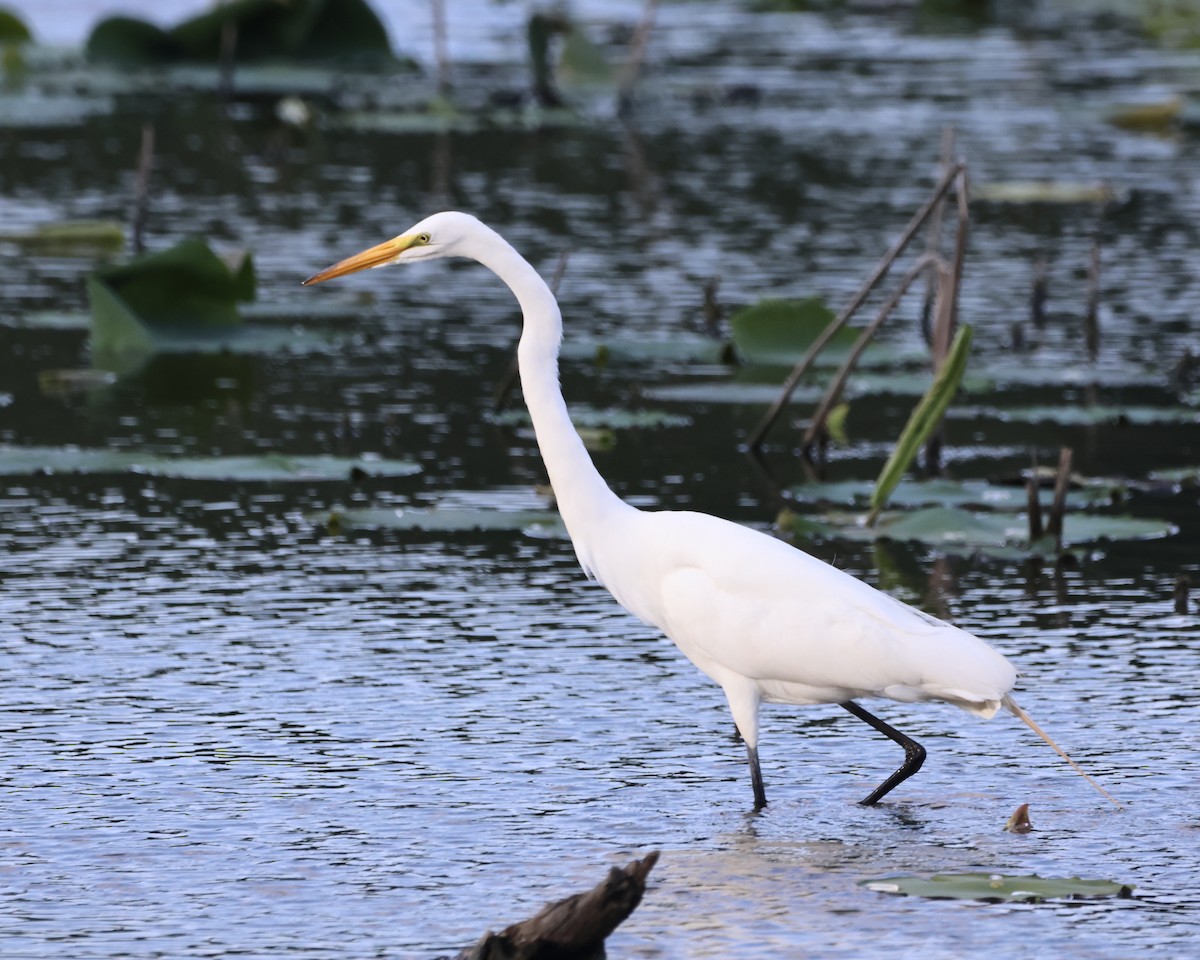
945 492
610 418
779 332
447 520
17 461
924 420
70 238
13 29
1043 191
265 30
998 887
955 530
1069 415
185 285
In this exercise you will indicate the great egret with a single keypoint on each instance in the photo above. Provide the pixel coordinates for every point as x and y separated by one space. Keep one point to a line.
766 621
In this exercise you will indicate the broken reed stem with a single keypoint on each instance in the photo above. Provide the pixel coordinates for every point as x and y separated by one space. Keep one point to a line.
927 261
1033 501
226 59
637 54
881 268
949 284
933 242
1183 584
1058 509
141 189
440 55
504 386
1091 320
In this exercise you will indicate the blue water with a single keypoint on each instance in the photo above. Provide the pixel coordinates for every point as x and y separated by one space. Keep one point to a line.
229 729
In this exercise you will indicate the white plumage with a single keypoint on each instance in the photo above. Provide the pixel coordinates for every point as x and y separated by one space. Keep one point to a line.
766 621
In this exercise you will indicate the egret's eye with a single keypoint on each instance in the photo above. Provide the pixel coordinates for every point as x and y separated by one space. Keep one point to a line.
423 239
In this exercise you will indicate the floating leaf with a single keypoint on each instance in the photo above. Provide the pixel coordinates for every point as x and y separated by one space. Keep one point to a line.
611 418
1090 415
1157 117
955 530
64 383
447 520
273 466
945 492
680 348
924 420
780 332
13 29
265 29
185 285
998 887
1043 191
15 461
77 238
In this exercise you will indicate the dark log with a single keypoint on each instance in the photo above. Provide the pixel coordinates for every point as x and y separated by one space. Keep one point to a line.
574 928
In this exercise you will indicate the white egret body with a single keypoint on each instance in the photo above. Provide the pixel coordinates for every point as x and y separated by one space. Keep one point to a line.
766 621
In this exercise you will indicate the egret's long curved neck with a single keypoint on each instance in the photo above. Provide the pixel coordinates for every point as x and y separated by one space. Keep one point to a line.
584 499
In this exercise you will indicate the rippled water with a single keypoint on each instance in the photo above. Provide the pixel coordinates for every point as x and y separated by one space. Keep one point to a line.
229 731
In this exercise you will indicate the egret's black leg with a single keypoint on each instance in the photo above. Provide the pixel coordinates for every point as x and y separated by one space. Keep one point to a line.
914 753
760 796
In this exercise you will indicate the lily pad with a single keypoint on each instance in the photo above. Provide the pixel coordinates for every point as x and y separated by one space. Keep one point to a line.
996 887
680 348
954 529
16 461
13 29
265 29
944 492
539 523
1043 191
780 332
591 418
77 238
1084 416
273 466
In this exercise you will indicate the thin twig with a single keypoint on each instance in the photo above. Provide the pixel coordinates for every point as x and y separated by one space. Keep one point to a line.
1058 509
226 60
1034 504
440 55
933 240
924 262
637 55
880 271
1091 320
141 189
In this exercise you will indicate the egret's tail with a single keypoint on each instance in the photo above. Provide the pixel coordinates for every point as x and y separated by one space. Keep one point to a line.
1011 705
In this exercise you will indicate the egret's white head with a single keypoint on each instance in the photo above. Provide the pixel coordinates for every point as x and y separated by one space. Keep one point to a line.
445 234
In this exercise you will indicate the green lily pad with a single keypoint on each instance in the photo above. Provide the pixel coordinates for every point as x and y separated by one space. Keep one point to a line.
265 29
779 332
78 238
16 461
540 523
1083 416
954 529
183 286
998 887
272 466
13 29
591 418
1043 191
944 492
1153 117
680 348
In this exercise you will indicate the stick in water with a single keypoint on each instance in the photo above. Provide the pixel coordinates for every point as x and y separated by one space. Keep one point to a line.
1011 705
